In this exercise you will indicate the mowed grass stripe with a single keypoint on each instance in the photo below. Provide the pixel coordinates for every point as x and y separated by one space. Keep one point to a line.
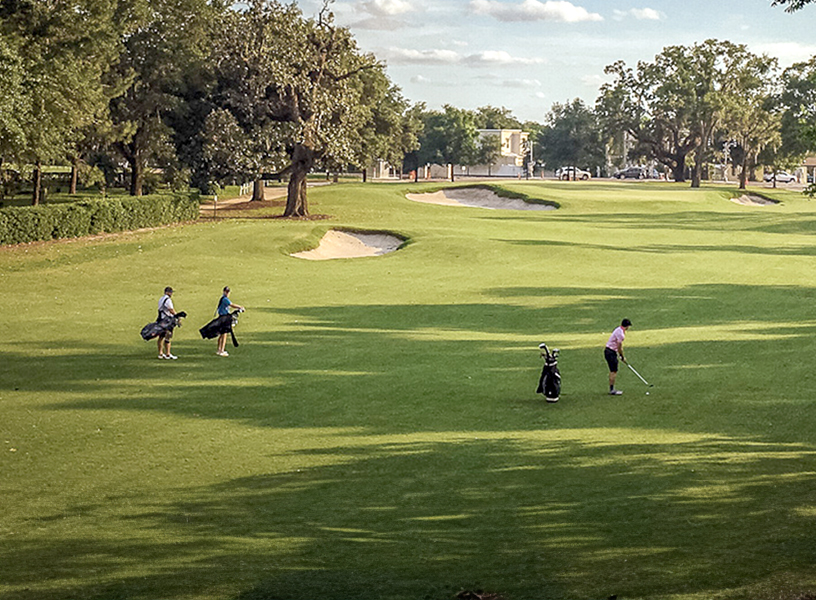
377 435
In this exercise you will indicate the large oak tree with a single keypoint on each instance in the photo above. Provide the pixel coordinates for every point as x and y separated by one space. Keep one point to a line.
53 58
164 43
299 87
673 106
571 136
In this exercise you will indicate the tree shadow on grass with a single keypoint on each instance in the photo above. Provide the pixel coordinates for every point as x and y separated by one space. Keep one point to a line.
671 248
441 472
582 515
398 368
703 221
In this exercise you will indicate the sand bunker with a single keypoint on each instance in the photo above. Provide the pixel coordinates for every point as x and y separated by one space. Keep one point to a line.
345 244
751 200
480 198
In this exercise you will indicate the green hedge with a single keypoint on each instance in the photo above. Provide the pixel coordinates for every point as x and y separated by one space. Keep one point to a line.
88 217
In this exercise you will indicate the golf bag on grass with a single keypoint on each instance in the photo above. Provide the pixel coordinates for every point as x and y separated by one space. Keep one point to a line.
550 382
219 325
162 325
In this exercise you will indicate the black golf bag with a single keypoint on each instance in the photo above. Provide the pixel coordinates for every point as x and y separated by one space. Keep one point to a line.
162 325
550 382
219 325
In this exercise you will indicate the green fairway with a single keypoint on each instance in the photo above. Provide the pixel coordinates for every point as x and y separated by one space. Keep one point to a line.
376 435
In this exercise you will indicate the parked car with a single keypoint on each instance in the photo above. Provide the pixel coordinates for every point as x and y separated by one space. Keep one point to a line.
780 176
632 173
569 173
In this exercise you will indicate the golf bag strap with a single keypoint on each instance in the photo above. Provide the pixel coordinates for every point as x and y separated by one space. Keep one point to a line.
163 304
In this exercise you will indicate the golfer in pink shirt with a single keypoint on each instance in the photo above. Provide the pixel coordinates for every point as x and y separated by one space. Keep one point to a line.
614 348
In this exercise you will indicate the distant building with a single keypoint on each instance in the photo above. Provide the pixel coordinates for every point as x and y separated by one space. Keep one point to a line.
514 146
808 169
382 170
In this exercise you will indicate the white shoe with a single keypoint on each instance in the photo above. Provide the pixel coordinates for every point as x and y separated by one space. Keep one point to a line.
171 356
223 353
162 357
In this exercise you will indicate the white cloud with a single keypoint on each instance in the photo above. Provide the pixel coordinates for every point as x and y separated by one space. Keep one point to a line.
379 24
379 14
384 8
534 10
407 56
641 14
787 52
521 83
490 78
497 81
420 79
488 58
594 81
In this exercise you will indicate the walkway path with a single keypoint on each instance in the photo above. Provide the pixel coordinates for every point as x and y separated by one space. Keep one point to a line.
270 193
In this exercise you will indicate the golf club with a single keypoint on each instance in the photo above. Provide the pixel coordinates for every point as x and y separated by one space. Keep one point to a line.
639 376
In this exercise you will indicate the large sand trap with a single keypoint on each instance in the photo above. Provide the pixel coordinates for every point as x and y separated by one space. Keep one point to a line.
477 197
344 244
751 200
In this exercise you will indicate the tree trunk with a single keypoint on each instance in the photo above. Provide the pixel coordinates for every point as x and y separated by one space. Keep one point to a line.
132 152
699 158
37 184
257 190
136 173
365 175
679 171
744 174
135 178
74 175
296 202
697 172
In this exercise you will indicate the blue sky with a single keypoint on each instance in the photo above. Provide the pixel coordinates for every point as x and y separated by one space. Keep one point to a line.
527 54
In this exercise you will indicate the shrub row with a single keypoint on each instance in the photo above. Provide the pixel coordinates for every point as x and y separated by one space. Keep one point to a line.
88 217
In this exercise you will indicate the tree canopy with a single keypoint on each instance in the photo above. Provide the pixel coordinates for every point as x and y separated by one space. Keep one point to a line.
304 94
215 92
571 136
225 91
673 106
53 57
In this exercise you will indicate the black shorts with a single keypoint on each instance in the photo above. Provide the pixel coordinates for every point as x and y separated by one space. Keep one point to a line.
611 359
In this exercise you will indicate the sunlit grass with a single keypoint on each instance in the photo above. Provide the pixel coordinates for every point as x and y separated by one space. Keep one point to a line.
376 434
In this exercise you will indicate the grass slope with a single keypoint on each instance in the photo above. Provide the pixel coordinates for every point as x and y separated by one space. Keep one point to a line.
376 434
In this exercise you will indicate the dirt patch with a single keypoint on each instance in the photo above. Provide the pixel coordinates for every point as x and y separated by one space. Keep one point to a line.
753 200
477 197
243 205
347 244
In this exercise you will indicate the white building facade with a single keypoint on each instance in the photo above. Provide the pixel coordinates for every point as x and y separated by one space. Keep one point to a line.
514 145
